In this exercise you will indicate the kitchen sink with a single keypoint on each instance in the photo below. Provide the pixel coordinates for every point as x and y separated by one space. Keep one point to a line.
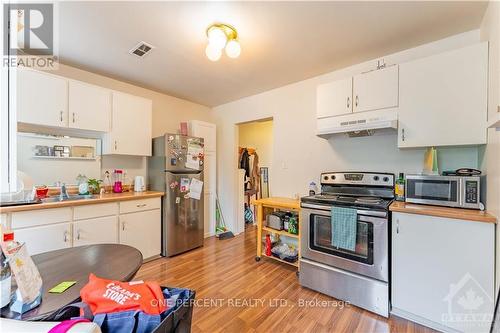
69 198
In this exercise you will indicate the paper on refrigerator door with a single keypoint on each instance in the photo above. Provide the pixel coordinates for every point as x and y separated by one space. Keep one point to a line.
194 154
195 189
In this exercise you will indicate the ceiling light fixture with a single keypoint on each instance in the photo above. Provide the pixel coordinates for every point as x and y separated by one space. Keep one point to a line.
222 36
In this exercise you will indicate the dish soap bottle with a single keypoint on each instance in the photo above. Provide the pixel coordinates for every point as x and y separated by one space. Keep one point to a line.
400 187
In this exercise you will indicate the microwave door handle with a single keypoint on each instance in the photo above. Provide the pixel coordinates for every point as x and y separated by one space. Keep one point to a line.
460 189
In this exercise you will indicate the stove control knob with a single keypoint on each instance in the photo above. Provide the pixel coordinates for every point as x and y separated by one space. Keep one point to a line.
333 177
386 179
375 178
325 177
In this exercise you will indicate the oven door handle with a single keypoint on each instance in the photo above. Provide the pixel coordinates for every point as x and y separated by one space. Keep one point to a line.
359 211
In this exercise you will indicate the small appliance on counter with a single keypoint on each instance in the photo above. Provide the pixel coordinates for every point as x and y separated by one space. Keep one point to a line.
139 184
118 181
463 188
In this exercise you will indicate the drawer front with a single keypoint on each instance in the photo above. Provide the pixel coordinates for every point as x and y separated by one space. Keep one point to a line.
139 205
92 211
45 238
40 217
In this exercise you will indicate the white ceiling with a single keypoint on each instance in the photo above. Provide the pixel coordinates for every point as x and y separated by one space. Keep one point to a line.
282 42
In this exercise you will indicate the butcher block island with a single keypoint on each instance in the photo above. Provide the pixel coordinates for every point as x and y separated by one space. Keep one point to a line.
130 218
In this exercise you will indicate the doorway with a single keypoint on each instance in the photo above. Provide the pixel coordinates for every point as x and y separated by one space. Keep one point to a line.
255 155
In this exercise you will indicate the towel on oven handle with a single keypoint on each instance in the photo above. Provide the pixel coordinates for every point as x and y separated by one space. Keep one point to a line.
344 228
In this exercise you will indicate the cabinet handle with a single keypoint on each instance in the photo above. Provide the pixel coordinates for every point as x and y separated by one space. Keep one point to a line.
141 205
123 226
397 226
403 134
78 235
73 117
65 236
61 116
348 102
116 145
357 101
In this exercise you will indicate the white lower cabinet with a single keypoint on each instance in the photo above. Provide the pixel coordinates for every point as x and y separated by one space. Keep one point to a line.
96 231
443 272
142 230
45 238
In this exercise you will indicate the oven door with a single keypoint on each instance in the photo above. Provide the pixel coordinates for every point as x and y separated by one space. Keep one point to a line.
433 190
370 257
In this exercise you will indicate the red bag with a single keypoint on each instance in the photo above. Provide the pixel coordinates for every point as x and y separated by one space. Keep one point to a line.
107 296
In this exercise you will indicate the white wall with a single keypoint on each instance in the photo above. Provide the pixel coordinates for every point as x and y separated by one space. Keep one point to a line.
490 31
168 112
299 156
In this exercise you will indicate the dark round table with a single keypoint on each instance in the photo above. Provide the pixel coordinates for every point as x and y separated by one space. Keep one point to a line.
109 261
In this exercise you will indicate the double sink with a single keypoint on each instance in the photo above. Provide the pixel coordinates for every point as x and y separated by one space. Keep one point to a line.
68 198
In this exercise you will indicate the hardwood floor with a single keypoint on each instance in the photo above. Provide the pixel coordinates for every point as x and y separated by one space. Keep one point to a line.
237 294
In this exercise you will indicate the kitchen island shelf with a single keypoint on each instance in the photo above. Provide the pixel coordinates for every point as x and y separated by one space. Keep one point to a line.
275 204
279 232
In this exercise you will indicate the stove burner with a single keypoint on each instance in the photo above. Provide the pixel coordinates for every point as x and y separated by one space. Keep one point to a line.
368 200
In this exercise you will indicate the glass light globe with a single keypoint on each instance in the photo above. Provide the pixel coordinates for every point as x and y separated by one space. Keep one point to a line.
217 38
213 53
233 49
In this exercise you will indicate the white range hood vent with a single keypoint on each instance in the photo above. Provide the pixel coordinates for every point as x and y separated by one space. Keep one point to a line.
358 124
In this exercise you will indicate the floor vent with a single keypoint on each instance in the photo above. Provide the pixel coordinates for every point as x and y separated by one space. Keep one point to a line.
141 49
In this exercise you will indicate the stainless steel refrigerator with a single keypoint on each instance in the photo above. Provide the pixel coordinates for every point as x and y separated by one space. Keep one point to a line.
176 161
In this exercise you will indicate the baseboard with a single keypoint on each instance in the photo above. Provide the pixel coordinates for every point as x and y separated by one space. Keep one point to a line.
209 234
422 321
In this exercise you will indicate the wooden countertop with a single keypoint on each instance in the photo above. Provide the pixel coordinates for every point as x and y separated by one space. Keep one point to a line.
278 202
453 213
107 197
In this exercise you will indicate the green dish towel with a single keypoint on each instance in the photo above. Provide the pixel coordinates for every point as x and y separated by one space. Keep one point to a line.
344 225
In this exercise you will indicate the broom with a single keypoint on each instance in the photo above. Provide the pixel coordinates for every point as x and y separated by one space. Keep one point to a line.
221 230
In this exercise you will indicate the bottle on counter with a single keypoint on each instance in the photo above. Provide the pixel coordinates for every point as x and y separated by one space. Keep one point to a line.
107 184
399 188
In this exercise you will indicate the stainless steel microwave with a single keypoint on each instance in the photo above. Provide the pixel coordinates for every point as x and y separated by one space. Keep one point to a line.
451 191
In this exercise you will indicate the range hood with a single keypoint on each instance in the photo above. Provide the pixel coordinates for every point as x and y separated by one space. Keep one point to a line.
358 124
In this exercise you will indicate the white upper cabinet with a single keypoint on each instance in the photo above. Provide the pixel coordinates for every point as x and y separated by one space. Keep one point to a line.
41 99
443 99
334 98
376 89
131 126
89 107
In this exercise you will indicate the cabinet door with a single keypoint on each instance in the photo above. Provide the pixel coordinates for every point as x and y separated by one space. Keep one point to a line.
142 230
41 99
131 126
334 98
376 89
444 99
437 261
89 107
96 231
45 238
